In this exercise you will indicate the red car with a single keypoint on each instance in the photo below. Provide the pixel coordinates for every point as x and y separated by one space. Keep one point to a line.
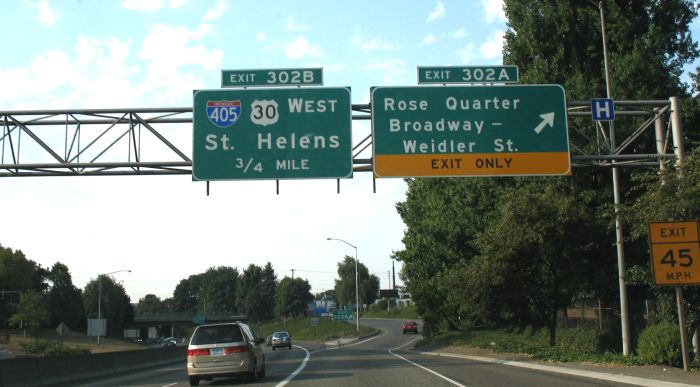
410 326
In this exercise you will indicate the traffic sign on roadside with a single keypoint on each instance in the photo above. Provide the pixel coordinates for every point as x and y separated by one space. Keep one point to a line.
675 252
286 133
467 74
470 131
342 314
603 109
272 77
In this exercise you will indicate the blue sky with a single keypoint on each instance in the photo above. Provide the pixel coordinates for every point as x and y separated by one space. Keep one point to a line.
153 53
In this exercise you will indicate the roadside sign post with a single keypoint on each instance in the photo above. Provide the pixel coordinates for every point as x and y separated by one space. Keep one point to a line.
675 258
439 131
286 133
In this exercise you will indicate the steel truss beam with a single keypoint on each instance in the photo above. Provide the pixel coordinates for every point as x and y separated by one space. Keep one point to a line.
109 142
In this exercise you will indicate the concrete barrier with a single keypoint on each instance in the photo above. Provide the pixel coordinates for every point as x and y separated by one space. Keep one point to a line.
80 366
53 370
62 370
20 372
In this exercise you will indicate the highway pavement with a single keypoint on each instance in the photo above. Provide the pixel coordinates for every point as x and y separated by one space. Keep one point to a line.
385 359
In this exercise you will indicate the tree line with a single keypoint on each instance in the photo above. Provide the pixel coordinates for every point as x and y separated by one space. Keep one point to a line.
35 297
516 252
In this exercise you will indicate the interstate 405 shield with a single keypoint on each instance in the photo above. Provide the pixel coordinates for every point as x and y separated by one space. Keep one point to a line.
470 131
286 133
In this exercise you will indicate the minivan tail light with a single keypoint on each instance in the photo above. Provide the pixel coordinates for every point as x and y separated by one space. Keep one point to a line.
198 352
236 349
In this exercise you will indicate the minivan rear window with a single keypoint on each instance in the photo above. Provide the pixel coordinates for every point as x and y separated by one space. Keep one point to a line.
217 334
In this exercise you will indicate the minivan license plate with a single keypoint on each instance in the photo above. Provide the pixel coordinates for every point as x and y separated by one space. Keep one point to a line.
216 352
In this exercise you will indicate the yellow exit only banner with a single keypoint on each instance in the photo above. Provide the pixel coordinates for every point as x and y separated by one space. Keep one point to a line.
486 164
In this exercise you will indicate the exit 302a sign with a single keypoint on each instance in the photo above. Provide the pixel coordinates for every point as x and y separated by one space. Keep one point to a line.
675 252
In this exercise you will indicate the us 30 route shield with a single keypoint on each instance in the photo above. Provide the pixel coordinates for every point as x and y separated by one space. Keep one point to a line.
470 131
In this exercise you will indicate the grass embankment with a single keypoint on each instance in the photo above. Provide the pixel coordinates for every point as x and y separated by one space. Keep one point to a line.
301 329
73 342
572 344
405 313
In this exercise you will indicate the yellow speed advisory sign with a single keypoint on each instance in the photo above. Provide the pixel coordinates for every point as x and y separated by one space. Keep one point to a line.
675 252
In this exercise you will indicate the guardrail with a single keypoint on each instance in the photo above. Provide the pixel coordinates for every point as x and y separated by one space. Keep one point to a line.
46 371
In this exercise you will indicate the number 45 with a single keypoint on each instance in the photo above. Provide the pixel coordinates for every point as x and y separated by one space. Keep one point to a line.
684 258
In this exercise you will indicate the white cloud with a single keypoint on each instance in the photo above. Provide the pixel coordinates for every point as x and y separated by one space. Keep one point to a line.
300 48
261 36
392 71
293 26
493 48
376 44
176 3
142 5
458 34
466 53
494 10
46 15
170 51
437 13
373 44
217 11
429 39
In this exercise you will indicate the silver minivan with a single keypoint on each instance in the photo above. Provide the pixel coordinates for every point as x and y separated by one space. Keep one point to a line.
224 350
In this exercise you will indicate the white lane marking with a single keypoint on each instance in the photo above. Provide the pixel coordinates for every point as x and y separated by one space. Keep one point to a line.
296 371
421 367
350 345
566 371
171 384
308 356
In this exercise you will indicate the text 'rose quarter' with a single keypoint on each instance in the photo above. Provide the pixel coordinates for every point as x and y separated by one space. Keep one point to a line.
285 133
470 131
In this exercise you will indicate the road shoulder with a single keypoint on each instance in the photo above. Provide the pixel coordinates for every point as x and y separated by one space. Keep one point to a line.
638 375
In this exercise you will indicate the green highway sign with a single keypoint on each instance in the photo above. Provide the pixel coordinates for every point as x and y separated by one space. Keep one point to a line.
290 133
342 314
468 74
272 77
470 131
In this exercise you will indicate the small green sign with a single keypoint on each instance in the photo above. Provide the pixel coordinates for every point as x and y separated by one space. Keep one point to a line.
292 133
272 77
342 315
468 74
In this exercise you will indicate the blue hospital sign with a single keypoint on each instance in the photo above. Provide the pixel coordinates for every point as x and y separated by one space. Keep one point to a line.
603 109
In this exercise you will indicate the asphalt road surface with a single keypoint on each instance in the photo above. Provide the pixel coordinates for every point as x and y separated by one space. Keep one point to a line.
381 360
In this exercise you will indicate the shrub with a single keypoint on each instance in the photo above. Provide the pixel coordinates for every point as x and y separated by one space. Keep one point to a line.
48 348
660 344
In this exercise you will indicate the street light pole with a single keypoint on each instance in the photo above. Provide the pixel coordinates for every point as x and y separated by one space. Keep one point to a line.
99 298
357 288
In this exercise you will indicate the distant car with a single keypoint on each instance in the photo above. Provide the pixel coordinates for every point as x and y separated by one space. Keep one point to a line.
410 326
268 341
281 339
224 350
168 342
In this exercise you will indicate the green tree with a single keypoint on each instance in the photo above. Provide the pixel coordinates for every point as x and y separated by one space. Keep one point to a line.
532 263
115 305
345 284
65 299
252 299
219 290
17 274
33 311
150 305
443 218
187 294
292 297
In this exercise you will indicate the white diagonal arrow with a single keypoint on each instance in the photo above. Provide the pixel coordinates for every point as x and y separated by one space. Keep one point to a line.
547 119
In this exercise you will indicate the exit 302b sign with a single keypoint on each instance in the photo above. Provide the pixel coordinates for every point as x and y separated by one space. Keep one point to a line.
675 252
